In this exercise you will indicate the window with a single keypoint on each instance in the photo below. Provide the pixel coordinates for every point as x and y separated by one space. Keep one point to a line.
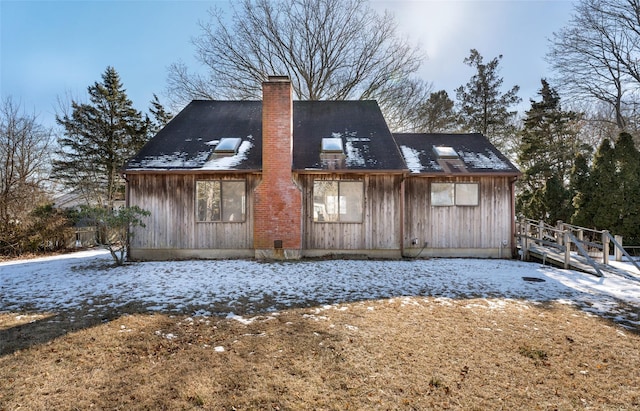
220 201
338 201
442 194
445 152
467 194
228 145
332 145
332 153
448 194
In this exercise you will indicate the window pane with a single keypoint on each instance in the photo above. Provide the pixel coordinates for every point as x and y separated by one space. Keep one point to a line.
332 145
233 201
467 194
208 200
325 201
228 145
442 194
351 201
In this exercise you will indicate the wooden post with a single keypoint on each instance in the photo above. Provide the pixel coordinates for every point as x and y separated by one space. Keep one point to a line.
540 230
617 251
560 233
605 247
581 235
525 239
567 250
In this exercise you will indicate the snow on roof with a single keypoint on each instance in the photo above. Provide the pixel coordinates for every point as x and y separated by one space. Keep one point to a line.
424 153
412 158
229 162
484 160
177 159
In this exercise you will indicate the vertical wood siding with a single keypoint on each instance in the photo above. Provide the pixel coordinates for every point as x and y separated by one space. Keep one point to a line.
172 224
380 228
479 227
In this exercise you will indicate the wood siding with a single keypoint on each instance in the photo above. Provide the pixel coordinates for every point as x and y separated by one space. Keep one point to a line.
172 225
484 226
380 226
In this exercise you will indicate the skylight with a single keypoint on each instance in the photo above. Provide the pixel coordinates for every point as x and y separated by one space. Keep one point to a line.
228 145
332 145
445 152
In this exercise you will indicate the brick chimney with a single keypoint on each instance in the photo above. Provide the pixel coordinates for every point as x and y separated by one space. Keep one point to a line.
277 224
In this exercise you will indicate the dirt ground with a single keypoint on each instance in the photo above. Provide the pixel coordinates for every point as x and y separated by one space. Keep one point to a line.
402 353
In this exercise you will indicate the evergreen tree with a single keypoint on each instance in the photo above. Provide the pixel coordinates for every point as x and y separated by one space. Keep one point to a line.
483 108
628 187
549 146
603 205
98 138
581 188
557 200
437 114
160 117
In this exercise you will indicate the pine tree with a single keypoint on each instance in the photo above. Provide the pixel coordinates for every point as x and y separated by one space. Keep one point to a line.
483 108
628 187
160 116
582 190
603 206
98 138
548 147
436 115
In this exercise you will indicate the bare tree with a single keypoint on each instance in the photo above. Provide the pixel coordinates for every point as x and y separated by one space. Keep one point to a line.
597 57
331 50
24 160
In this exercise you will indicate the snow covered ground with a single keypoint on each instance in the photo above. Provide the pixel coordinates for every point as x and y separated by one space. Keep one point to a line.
87 279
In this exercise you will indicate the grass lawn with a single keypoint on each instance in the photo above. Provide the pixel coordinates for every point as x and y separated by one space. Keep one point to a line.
400 353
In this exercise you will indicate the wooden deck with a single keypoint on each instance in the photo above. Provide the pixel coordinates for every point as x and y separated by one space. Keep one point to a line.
568 247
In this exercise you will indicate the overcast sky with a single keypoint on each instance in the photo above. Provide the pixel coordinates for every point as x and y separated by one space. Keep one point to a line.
54 49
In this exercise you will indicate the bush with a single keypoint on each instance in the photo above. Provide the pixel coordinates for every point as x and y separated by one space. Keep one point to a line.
113 227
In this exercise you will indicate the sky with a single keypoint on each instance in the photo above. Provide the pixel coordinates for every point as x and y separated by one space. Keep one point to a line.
51 51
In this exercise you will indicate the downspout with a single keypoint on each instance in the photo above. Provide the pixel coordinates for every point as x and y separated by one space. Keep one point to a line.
402 178
127 204
513 217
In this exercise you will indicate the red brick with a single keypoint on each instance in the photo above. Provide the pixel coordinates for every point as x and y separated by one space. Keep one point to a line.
278 201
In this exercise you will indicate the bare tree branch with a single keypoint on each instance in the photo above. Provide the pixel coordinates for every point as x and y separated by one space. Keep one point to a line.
597 56
331 50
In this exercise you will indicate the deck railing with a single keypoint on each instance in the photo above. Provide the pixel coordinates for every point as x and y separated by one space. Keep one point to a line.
567 239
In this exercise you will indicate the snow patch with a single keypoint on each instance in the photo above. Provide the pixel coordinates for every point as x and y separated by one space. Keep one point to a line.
200 287
487 160
412 158
228 163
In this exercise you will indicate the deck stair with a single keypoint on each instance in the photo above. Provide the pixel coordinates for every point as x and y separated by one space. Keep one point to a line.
573 247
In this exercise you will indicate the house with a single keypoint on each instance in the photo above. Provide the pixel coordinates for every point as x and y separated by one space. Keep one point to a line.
283 179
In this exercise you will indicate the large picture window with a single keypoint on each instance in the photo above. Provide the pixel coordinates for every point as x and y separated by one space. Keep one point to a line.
448 194
220 201
338 201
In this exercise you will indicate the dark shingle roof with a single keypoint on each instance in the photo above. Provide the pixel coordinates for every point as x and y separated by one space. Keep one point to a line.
367 141
189 139
475 154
